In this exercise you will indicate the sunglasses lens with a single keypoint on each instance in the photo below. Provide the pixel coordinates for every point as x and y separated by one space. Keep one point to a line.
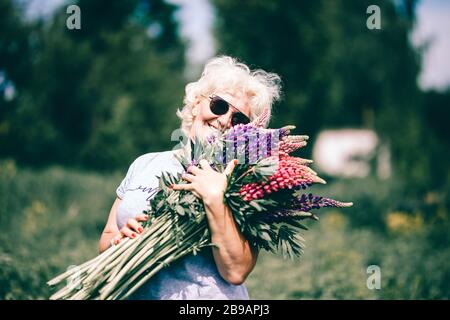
219 106
239 118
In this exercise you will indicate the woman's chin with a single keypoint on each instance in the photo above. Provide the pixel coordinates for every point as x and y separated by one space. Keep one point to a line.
202 133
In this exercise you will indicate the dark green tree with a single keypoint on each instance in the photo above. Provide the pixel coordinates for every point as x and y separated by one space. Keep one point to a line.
15 63
337 72
102 95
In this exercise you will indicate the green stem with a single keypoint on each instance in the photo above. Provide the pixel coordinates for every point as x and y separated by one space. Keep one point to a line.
158 259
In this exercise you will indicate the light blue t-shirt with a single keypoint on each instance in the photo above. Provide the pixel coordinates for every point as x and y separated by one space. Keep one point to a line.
192 277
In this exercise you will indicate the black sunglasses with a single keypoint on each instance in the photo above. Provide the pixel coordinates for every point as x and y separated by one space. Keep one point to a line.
220 107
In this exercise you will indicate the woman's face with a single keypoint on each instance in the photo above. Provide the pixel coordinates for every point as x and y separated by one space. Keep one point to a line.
206 123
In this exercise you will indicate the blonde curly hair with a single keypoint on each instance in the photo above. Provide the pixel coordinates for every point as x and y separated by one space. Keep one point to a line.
228 74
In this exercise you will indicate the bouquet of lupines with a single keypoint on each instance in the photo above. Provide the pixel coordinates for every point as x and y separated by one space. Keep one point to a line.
264 192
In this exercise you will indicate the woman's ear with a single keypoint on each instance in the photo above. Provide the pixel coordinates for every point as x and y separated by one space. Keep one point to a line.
194 111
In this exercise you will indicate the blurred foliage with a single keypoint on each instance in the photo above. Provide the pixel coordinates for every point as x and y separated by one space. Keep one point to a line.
50 218
388 208
338 73
335 263
400 222
53 218
96 97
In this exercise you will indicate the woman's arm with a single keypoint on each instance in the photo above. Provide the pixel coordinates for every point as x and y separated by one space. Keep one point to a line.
111 229
234 256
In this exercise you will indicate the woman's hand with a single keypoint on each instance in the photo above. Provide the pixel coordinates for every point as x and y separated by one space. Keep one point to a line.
130 230
204 182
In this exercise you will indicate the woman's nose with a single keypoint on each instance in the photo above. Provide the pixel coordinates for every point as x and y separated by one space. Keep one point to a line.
225 120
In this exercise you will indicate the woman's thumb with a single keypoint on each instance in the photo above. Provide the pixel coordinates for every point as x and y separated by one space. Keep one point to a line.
230 167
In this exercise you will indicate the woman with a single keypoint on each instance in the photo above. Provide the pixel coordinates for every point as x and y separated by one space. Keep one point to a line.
226 94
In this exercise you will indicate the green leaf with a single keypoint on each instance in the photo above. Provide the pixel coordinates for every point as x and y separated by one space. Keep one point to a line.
298 225
264 235
255 205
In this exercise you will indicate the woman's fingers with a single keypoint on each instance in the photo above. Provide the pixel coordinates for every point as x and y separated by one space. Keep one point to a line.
188 177
141 217
194 170
117 238
183 186
131 229
230 167
204 164
127 232
187 186
134 225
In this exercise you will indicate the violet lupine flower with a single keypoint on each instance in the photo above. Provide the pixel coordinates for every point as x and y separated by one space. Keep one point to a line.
239 130
251 143
302 205
307 202
211 139
286 214
234 142
291 173
286 130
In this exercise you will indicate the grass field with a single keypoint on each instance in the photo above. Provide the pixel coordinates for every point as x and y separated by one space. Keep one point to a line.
51 219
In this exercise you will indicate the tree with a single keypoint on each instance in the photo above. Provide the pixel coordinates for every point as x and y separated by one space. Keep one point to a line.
102 95
337 72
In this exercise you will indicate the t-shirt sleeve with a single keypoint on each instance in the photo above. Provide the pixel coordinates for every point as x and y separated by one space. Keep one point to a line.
134 169
120 191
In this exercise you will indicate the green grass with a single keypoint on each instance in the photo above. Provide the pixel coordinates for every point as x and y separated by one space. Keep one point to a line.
51 219
335 263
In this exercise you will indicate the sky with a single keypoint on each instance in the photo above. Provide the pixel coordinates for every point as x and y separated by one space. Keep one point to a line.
433 26
197 18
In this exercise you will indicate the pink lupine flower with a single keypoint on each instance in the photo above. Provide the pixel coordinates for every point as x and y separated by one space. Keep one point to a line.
289 144
291 173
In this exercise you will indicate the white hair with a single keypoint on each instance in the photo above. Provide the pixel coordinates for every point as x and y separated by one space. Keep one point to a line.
228 74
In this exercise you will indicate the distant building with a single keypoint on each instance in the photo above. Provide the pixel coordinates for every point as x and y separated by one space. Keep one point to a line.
351 153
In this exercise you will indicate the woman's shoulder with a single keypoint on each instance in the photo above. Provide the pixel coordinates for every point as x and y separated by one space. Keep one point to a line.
146 157
158 156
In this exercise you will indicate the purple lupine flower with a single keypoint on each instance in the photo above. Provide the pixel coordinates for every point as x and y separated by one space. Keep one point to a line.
301 207
247 149
277 215
287 214
269 144
211 139
249 143
307 202
247 140
257 145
